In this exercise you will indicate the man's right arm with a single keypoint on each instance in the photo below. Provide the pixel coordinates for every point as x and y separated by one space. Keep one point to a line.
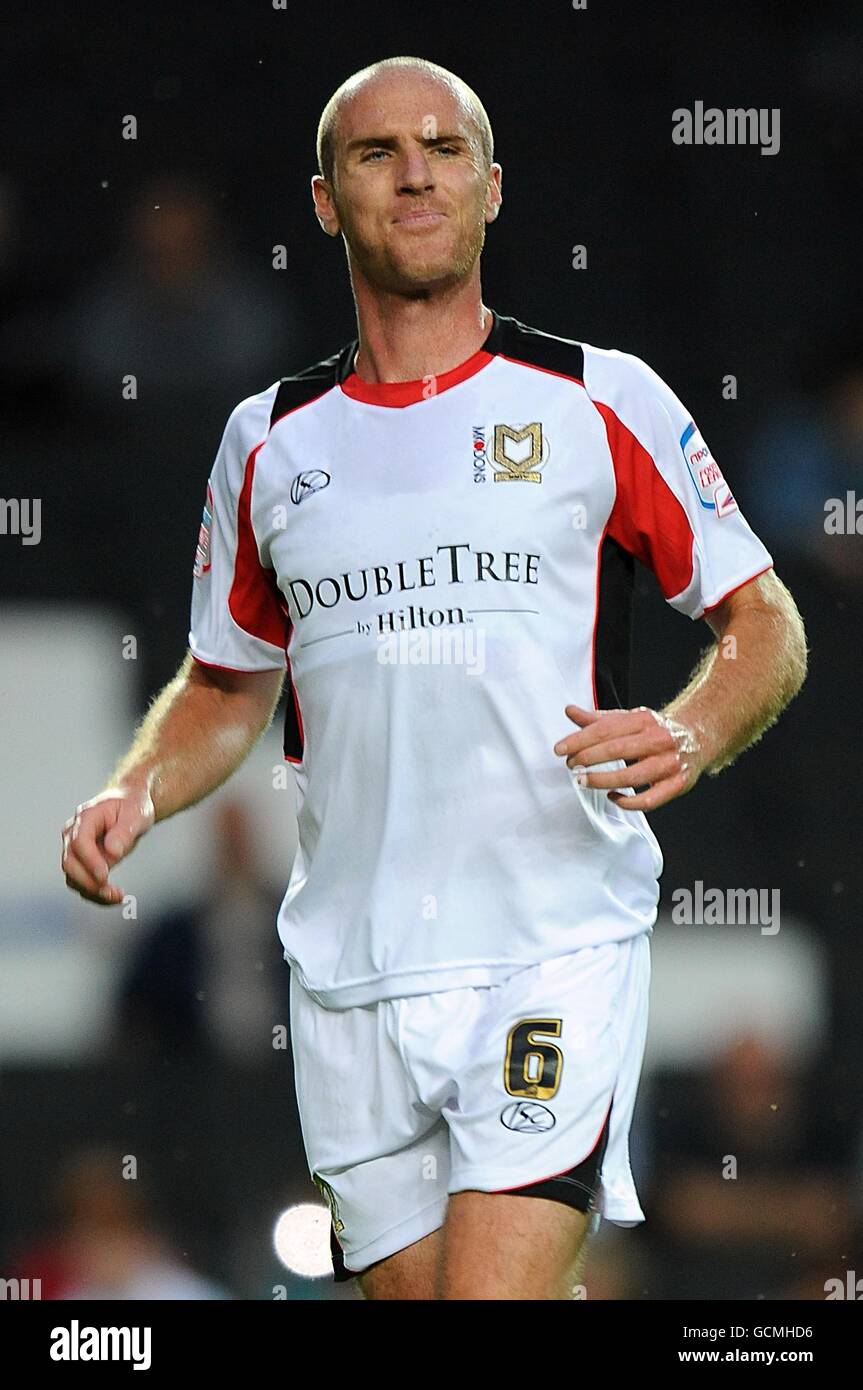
195 734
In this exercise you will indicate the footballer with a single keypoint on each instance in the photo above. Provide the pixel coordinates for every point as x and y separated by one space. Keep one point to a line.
429 538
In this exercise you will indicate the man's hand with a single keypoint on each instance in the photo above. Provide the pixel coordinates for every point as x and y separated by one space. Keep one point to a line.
101 833
663 754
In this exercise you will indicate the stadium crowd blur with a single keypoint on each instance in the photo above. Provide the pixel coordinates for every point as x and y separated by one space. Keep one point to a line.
157 265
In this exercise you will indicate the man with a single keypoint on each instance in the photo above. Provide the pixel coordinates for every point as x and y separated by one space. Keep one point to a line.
436 530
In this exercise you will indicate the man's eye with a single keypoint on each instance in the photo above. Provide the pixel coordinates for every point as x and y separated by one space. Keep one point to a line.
440 149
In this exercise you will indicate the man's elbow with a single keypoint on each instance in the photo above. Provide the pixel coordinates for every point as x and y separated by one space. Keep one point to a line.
795 651
769 598
790 657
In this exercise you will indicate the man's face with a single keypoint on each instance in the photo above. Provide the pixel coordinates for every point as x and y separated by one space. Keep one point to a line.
412 195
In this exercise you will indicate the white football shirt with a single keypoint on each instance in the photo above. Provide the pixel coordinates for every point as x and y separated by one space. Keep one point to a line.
443 565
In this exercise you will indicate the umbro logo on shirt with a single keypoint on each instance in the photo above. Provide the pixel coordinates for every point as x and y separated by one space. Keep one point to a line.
306 483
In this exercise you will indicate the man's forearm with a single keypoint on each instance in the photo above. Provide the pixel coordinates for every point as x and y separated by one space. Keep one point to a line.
741 686
194 735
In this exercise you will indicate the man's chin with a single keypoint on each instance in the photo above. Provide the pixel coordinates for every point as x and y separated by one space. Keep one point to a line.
427 277
426 273
415 273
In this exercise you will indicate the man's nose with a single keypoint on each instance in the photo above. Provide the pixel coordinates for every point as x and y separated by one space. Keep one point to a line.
415 170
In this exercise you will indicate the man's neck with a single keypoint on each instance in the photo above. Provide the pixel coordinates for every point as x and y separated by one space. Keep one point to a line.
410 339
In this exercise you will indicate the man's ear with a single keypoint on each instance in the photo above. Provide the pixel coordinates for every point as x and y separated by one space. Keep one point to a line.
325 208
494 196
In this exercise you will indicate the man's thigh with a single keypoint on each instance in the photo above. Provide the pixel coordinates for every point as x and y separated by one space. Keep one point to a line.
412 1272
491 1246
498 1246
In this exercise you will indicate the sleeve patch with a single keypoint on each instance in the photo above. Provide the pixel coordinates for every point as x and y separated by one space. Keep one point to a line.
202 553
714 494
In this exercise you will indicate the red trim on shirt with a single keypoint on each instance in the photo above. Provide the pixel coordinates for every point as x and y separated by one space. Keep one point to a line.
741 585
256 603
240 670
399 393
647 519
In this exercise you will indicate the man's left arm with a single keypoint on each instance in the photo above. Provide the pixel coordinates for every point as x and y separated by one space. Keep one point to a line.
739 688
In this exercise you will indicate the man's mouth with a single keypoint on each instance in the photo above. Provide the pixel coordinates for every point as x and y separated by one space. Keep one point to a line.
421 217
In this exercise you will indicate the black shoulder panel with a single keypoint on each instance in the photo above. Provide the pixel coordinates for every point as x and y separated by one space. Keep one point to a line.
518 341
305 386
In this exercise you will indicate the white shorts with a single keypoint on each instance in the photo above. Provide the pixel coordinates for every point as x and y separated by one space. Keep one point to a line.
528 1082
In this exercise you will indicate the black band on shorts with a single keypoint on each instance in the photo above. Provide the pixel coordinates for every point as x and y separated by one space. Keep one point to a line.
340 1274
579 1186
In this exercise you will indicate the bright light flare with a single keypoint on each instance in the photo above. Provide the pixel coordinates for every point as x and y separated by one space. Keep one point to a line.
301 1239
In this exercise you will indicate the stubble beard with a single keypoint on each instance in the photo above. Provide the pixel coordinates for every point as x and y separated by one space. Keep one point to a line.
405 276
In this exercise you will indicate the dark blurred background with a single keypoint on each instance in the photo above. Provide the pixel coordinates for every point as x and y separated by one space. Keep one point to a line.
153 258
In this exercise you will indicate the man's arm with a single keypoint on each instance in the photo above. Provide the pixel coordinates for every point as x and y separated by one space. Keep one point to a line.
739 688
198 730
743 683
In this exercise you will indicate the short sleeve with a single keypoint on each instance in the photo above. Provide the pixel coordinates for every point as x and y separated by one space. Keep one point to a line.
674 508
239 617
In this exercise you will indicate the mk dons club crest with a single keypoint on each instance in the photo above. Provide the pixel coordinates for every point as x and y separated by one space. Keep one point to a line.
518 453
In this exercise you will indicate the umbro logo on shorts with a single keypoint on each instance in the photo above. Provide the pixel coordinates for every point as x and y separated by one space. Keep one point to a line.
527 1117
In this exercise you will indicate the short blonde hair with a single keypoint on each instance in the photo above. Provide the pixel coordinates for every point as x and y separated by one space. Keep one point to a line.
326 141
